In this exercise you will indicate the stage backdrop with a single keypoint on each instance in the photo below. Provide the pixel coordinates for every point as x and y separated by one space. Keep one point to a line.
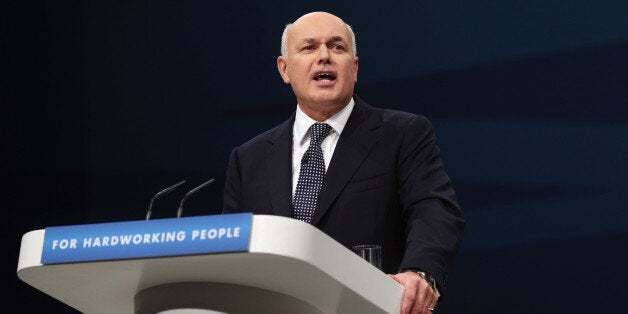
107 103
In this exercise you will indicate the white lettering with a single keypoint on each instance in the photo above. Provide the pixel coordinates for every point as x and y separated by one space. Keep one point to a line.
126 239
171 236
137 239
64 244
216 233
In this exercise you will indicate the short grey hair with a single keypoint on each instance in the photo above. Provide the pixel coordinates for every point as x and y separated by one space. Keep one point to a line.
284 40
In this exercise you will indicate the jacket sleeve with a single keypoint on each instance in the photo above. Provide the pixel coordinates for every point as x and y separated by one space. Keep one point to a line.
434 220
231 194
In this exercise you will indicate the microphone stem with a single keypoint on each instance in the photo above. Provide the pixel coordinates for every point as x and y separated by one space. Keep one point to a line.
196 189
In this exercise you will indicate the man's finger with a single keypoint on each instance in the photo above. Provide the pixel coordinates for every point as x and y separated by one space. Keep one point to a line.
409 299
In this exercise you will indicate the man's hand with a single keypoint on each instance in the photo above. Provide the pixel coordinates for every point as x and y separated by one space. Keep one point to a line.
418 296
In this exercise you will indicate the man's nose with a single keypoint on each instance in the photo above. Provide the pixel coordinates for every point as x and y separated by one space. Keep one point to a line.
324 55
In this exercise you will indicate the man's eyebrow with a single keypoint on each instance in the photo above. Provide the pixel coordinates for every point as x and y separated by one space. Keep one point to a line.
337 38
332 39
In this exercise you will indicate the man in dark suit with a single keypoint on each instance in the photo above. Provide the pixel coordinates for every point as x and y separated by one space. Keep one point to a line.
382 181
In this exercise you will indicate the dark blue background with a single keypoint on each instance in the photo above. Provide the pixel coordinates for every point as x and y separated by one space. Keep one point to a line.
107 102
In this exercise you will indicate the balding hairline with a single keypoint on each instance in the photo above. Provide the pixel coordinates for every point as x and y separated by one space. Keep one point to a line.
284 40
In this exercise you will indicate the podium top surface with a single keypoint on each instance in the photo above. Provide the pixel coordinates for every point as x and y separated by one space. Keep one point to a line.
285 256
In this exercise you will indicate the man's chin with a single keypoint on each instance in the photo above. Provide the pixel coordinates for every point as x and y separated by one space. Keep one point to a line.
329 98
322 106
327 104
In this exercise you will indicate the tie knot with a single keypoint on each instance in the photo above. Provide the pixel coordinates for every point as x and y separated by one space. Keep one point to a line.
319 132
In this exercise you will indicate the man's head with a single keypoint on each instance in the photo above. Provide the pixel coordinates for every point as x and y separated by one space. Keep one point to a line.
319 61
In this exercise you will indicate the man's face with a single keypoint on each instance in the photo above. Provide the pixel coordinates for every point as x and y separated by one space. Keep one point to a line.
319 63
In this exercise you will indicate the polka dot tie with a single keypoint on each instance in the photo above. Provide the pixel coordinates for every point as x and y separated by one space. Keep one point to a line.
311 175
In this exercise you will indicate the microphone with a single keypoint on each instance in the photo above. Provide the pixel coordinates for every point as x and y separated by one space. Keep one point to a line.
159 194
192 191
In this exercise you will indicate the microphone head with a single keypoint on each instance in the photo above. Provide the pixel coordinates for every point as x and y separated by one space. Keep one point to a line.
169 189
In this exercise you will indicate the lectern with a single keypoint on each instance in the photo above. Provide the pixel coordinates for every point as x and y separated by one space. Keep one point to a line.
203 264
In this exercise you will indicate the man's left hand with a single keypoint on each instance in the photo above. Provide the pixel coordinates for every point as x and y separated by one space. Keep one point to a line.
418 296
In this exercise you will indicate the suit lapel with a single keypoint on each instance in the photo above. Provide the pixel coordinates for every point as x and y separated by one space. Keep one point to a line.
279 169
356 141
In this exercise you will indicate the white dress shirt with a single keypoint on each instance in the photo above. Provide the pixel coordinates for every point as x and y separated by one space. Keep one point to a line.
301 138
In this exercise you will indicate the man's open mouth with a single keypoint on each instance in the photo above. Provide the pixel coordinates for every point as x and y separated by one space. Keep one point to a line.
325 76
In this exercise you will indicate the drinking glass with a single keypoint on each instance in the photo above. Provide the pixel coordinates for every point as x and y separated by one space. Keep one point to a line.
372 253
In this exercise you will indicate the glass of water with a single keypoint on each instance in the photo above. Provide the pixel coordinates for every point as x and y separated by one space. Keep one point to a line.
371 253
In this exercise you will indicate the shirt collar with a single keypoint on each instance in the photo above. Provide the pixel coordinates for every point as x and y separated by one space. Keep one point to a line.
302 122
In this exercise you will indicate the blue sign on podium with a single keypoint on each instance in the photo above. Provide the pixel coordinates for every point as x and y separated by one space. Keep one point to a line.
147 238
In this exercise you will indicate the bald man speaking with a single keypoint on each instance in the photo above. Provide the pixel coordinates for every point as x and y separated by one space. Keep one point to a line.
361 174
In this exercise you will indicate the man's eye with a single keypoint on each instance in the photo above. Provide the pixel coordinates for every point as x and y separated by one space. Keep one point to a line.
339 47
310 47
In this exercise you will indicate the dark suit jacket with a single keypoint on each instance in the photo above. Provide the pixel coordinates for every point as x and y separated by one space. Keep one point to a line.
385 184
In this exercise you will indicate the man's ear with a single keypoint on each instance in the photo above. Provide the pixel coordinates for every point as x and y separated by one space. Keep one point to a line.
356 69
282 66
